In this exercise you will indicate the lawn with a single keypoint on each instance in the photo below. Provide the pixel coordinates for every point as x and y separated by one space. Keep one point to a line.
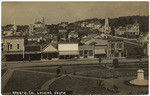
79 86
68 69
108 73
133 66
3 71
25 81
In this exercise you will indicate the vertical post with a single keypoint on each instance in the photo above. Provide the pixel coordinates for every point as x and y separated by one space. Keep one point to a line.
23 50
5 50
126 53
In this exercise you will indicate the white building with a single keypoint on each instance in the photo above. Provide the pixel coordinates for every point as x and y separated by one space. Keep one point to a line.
14 43
68 50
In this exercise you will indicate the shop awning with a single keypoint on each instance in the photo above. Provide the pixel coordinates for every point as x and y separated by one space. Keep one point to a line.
68 52
100 51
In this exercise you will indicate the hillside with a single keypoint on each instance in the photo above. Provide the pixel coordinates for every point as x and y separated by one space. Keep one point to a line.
122 21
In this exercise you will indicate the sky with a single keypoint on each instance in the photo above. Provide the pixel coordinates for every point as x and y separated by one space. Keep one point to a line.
25 13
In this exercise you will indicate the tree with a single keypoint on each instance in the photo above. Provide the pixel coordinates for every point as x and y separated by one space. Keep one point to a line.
58 71
115 63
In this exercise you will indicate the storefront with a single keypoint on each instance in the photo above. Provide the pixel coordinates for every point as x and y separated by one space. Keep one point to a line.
100 51
86 51
50 52
68 50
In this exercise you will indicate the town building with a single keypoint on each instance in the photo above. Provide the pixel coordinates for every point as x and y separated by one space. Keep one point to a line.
133 30
50 52
9 30
38 27
120 31
130 30
86 51
36 37
116 48
68 50
13 48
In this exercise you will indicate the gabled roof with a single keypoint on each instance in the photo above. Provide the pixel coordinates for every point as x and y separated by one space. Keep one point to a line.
85 47
36 36
50 48
38 22
91 35
40 29
85 40
14 37
99 41
63 30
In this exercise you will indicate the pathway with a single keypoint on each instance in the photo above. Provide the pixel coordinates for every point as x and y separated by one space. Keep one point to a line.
46 85
6 77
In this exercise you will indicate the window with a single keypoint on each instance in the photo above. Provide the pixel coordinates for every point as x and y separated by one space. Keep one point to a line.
112 45
81 53
10 46
90 53
17 46
44 56
120 45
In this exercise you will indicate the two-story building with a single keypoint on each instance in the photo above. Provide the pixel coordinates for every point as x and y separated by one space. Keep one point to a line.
13 48
116 48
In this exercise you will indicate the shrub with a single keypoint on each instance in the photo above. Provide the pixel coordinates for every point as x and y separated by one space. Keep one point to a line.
115 63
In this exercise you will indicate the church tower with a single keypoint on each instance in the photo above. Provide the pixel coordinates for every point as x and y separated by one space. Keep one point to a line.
107 27
43 21
14 28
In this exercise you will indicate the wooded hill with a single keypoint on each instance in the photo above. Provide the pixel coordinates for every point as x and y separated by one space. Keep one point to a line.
123 21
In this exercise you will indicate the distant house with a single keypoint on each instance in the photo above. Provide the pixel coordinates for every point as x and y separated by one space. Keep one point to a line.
120 31
63 24
84 40
36 37
73 36
130 30
63 35
83 24
133 29
91 36
38 27
9 30
104 36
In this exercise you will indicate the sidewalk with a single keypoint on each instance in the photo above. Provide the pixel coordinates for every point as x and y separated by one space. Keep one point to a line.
68 62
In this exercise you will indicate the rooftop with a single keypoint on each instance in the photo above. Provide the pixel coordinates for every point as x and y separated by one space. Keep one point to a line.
14 37
39 22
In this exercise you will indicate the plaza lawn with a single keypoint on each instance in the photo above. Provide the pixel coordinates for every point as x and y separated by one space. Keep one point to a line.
79 86
68 69
3 71
26 81
133 66
109 73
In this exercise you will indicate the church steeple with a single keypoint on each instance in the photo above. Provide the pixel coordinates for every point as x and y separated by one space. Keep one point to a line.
43 21
15 28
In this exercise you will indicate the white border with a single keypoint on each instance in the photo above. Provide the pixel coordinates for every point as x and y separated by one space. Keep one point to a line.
72 1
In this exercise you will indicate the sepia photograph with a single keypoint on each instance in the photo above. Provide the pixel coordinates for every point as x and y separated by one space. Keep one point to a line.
75 48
